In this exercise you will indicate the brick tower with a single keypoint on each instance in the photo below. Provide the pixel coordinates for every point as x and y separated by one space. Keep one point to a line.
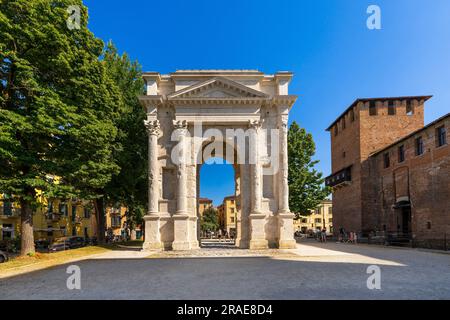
366 126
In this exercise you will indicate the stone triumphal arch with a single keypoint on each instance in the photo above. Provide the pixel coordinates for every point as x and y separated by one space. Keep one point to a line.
239 115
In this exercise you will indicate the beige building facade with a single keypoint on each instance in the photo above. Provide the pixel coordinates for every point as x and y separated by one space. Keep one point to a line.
228 215
243 101
321 217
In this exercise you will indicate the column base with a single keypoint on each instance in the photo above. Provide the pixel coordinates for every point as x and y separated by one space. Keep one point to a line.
181 232
181 246
152 233
285 223
287 244
257 231
152 246
259 244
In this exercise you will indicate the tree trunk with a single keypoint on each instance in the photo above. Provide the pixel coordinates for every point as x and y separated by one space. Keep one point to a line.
26 227
101 225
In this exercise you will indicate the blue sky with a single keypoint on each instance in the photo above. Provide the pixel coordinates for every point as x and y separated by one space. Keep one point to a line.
334 56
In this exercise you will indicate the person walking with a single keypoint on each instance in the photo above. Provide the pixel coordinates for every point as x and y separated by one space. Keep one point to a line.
324 235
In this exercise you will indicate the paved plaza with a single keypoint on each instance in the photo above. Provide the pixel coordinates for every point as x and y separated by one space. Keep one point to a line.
312 271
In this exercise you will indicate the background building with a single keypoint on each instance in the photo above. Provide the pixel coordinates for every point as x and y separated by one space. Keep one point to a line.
390 173
321 217
55 218
203 204
227 215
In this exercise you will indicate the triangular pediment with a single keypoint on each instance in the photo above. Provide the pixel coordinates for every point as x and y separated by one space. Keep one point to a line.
217 87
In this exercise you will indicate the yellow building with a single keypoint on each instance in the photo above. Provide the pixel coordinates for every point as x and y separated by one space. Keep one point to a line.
116 218
9 219
203 204
228 214
321 217
54 218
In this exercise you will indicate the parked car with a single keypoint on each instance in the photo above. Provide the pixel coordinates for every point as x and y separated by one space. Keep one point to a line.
3 257
67 243
41 244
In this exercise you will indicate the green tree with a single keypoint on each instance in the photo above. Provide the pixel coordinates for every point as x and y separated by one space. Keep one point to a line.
306 185
210 220
130 186
56 106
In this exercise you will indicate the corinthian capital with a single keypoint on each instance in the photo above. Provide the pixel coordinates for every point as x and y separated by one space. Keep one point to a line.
254 124
180 125
152 126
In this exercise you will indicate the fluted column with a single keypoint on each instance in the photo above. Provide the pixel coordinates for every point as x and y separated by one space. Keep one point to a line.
283 197
181 218
152 219
257 217
181 128
153 129
285 217
256 169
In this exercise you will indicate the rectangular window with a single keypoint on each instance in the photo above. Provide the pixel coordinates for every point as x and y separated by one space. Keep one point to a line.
74 213
336 130
7 208
87 214
387 160
441 135
352 115
419 146
63 209
343 122
409 108
74 231
318 220
372 108
391 108
7 231
401 153
232 219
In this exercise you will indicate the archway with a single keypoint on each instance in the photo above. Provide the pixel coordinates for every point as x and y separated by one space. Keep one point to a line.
219 197
187 112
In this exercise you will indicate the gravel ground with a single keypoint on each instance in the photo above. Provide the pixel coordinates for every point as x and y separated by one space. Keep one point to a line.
312 271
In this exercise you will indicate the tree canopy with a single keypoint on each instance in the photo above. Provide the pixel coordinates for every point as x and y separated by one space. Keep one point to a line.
306 185
64 106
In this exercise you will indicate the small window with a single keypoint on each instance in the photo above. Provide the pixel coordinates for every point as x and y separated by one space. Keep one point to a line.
318 220
352 115
87 214
343 154
409 108
336 130
372 108
441 136
419 146
386 159
401 153
391 108
343 123
428 225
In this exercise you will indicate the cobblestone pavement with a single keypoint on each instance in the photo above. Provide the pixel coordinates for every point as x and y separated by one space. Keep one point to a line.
312 271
